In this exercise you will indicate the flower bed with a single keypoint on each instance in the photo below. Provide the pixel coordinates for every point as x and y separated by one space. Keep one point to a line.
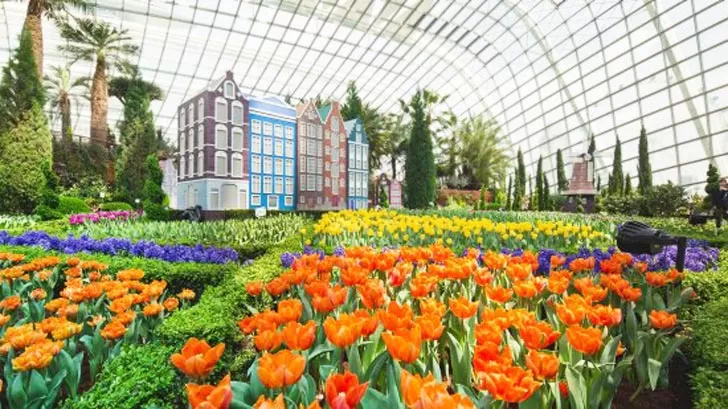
122 215
422 327
114 246
52 344
390 228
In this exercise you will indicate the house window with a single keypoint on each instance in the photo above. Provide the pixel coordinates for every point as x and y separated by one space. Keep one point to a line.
229 199
255 144
221 110
289 149
327 150
302 130
220 163
255 184
352 150
311 183
278 131
327 182
267 128
289 132
335 155
302 164
342 182
335 123
190 165
289 167
256 126
335 188
182 168
311 165
365 157
190 114
320 149
268 146
342 137
319 183
311 147
289 200
279 185
237 165
279 166
267 184
200 136
358 136
237 139
255 167
201 109
319 166
267 165
243 198
351 184
334 137
181 118
289 186
327 166
302 146
342 168
200 163
358 157
302 183
319 131
335 172
255 200
182 142
221 137
214 199
273 202
237 113
190 139
278 147
229 90
301 200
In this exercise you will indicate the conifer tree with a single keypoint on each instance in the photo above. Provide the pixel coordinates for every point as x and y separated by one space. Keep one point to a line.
420 160
353 106
509 193
521 177
644 169
592 147
154 196
539 184
627 185
20 88
561 183
617 187
546 194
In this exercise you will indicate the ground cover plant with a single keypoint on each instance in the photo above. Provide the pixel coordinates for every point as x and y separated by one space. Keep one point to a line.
63 319
422 327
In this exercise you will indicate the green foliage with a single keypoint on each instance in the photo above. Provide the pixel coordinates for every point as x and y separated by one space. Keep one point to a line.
644 169
24 151
138 141
710 333
520 183
154 196
477 153
353 107
627 185
20 89
710 388
627 204
80 165
72 205
712 184
592 147
141 377
664 200
709 285
561 182
383 198
547 205
49 201
540 204
116 206
616 186
509 193
420 160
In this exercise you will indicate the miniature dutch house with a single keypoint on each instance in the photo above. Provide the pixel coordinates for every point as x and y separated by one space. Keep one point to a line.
358 170
335 145
310 157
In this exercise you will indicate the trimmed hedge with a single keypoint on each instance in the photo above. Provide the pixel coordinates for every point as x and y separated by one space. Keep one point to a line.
710 388
72 205
196 276
115 206
710 333
139 378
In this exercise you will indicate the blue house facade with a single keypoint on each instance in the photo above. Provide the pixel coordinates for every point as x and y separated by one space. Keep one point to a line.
358 169
272 159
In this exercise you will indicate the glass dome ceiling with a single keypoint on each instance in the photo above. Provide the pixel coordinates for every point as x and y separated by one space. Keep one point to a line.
551 72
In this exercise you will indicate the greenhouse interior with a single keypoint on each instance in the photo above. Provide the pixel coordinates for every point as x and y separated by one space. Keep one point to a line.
385 204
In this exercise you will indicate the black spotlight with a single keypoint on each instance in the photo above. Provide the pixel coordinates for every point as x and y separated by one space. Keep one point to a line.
639 238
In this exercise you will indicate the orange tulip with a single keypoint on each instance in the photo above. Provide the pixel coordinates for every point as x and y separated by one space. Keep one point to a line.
171 303
538 334
426 393
632 294
371 293
263 403
197 359
254 288
268 340
463 308
327 299
113 330
396 316
299 337
281 369
277 286
498 294
353 275
512 384
488 331
343 391
489 355
404 345
10 303
343 331
564 389
656 279
209 396
369 322
585 340
290 310
557 261
526 289
570 316
432 306
4 319
544 365
662 319
423 284
610 266
37 356
604 315
153 309
483 277
430 326
186 294
582 264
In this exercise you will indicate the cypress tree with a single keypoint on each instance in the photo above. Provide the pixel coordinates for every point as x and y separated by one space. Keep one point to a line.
610 184
20 88
521 176
546 194
383 199
530 193
592 147
617 187
561 183
539 184
644 169
139 140
154 196
713 182
353 106
627 185
420 160
599 184
509 193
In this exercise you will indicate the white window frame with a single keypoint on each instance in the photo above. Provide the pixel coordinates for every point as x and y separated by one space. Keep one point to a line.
238 136
267 184
267 145
278 149
319 183
289 201
229 90
302 164
274 199
311 164
256 164
278 130
302 182
267 165
201 109
190 114
214 204
200 136
327 182
256 144
200 163
256 126
289 167
311 183
182 167
278 166
278 185
190 165
218 103
255 184
218 171
238 105
289 132
302 146
319 166
255 200
290 152
182 119
237 170
289 183
219 143
267 129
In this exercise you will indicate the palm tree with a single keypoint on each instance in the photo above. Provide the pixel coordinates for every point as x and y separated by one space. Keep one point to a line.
60 96
483 151
395 139
54 10
119 86
93 40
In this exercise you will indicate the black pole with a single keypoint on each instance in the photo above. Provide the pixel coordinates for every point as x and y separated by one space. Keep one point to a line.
681 247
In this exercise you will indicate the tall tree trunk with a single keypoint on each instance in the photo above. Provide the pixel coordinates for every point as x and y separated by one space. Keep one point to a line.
33 24
394 167
99 104
66 119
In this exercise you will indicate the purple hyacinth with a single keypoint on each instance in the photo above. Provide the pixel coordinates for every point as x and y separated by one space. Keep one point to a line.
287 259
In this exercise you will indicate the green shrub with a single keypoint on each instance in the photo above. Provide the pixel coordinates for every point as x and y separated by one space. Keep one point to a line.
116 206
46 213
140 377
664 200
72 205
708 285
710 388
710 334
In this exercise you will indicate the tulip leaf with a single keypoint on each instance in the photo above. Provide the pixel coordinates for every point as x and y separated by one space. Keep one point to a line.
375 369
241 393
459 360
326 370
612 381
307 310
631 326
320 350
16 393
256 386
375 399
577 388
355 361
670 348
609 354
556 392
393 372
37 387
653 370
534 402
